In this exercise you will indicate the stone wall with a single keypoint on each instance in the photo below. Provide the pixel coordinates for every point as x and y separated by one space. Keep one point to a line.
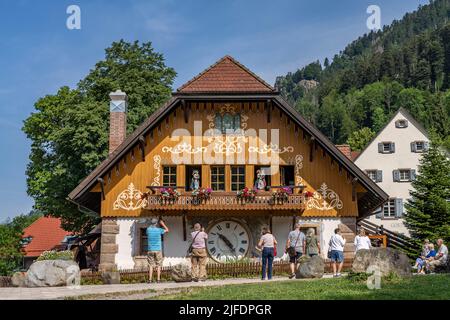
109 247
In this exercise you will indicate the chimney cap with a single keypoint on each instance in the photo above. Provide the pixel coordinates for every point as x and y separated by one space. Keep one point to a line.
118 95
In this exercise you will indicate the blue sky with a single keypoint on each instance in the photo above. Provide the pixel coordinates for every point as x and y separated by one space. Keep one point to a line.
39 54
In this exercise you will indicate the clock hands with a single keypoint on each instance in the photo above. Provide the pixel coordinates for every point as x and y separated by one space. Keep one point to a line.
227 242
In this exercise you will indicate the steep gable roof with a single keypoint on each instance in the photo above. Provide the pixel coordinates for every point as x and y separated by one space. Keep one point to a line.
225 76
408 117
46 234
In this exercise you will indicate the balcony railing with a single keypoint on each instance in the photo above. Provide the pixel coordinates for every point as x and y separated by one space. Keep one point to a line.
217 200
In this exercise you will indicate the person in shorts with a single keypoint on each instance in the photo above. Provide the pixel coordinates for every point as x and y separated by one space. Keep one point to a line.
441 257
296 242
336 249
154 255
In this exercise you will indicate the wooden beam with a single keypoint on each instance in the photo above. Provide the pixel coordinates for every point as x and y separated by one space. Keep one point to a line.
312 143
355 180
185 111
102 186
142 147
269 110
184 227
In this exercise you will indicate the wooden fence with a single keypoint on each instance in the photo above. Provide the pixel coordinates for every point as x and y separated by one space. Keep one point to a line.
5 281
214 270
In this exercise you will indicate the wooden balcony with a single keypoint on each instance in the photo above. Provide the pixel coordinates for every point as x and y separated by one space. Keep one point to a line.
263 200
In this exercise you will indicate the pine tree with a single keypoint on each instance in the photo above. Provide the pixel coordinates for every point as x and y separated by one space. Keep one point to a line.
428 209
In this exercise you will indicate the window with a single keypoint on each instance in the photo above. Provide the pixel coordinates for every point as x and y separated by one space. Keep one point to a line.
419 146
228 122
189 173
267 175
404 175
169 176
386 147
287 175
375 175
372 174
389 209
401 123
237 178
218 178
144 242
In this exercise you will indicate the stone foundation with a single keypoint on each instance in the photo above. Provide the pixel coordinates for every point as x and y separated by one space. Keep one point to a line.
109 248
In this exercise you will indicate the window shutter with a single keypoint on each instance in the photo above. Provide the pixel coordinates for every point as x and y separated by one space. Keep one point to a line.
379 213
426 146
379 176
413 146
398 207
392 147
412 175
396 175
380 147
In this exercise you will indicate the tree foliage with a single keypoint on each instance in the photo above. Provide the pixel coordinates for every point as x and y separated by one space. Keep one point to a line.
69 130
360 138
428 209
10 246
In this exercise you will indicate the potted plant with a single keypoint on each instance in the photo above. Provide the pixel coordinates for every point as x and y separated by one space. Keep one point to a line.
281 195
201 195
169 195
246 195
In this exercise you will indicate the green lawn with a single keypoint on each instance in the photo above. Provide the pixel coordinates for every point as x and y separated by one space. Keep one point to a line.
416 287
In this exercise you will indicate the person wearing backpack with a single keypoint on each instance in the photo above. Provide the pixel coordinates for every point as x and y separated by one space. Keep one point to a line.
199 257
295 247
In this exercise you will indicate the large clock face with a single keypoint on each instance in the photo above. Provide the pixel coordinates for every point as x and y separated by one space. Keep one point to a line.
227 240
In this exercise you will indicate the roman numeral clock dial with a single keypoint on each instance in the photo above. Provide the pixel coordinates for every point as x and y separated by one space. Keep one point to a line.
227 240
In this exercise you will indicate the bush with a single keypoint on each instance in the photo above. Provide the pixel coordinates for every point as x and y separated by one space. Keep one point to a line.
56 255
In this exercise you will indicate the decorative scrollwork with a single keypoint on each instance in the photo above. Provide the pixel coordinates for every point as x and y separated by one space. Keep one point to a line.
183 147
228 144
298 166
157 167
319 199
130 199
273 148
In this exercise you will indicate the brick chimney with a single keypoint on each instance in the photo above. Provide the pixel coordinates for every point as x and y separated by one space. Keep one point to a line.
118 119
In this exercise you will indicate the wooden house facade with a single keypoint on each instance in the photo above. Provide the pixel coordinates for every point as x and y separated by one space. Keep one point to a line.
199 157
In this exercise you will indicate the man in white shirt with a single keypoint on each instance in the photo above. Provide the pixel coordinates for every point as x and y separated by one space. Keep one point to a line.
362 241
336 252
441 256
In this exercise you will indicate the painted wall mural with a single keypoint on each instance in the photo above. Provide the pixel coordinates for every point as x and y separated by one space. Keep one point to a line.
324 199
130 199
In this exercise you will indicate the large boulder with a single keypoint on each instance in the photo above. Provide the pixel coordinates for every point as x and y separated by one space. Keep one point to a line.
53 273
388 260
313 267
181 273
18 279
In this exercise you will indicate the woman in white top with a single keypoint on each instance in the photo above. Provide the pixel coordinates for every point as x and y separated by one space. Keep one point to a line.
362 241
267 243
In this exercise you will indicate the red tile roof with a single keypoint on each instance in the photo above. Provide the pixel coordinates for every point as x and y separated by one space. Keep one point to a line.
226 75
355 155
345 149
46 233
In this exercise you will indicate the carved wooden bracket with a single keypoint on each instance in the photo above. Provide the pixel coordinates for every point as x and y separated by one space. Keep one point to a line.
102 187
142 147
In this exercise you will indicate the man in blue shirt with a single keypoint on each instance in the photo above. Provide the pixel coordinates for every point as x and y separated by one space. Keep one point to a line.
154 254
